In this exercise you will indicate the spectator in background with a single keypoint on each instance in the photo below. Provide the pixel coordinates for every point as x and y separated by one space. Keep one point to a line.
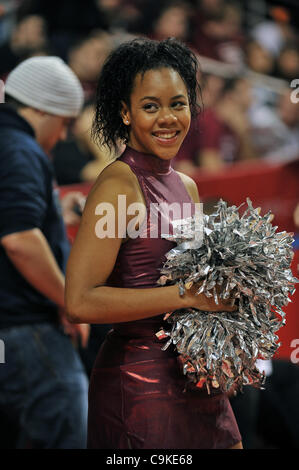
120 14
273 34
276 131
212 88
71 155
287 63
173 21
218 34
101 155
208 8
27 39
188 157
112 8
86 58
258 58
225 128
163 19
79 159
67 21
43 383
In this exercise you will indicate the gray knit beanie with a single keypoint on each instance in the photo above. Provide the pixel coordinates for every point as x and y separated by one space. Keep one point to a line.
47 84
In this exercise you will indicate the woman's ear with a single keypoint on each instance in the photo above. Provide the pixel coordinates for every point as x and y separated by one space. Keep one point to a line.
125 114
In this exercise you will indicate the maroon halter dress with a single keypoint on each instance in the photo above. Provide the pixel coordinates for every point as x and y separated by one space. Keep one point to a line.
137 395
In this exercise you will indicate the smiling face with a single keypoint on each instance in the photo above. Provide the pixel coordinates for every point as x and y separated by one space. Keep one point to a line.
159 113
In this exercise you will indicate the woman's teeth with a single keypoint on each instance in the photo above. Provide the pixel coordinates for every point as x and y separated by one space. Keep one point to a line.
165 136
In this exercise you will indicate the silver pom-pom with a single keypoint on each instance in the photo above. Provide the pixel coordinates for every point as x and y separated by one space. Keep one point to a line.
242 258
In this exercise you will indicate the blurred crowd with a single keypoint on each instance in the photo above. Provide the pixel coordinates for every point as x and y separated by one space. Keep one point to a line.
249 62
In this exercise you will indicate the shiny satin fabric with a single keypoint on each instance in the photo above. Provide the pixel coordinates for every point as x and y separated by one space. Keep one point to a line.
138 396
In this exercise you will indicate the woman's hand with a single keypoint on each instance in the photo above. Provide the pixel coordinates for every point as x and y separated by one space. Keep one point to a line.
202 302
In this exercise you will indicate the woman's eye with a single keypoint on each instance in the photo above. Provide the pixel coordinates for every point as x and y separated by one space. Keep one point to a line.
150 107
178 104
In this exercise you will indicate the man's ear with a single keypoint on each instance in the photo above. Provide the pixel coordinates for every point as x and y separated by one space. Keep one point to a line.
125 114
40 112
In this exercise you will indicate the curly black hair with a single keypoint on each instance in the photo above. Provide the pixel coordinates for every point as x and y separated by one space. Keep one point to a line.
117 79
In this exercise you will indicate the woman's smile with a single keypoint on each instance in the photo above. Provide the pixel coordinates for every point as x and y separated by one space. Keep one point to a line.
166 137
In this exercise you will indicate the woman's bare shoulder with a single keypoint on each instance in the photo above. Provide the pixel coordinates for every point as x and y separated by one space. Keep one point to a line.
116 179
116 169
117 174
190 185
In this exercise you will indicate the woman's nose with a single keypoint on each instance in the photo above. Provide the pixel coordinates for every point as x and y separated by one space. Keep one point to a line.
166 116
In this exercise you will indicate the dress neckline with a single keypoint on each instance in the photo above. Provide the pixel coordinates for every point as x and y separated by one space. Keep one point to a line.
147 162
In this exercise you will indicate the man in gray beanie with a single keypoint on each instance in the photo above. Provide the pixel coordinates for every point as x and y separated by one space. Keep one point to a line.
43 384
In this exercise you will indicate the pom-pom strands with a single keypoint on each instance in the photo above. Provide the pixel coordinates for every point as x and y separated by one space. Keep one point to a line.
242 258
